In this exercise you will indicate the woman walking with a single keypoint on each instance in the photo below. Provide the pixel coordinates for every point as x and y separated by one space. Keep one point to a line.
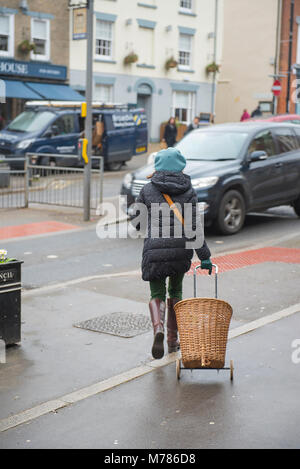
168 257
170 134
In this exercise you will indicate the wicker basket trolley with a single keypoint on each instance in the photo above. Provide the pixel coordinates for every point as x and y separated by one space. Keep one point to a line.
203 325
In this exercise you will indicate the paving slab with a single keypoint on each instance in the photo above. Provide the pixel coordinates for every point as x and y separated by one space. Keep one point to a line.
260 409
55 358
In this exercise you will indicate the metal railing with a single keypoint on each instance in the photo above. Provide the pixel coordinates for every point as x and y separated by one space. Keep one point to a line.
12 184
49 184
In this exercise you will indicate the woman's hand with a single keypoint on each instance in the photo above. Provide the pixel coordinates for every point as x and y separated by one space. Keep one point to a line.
207 265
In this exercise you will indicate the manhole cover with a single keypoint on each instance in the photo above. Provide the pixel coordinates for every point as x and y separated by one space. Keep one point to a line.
119 324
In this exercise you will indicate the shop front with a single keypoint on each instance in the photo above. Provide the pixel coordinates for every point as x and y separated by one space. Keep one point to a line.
24 81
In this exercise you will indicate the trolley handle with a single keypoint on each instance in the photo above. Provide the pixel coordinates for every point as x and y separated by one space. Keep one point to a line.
216 280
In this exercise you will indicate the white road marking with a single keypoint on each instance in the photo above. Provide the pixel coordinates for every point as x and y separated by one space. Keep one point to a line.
110 383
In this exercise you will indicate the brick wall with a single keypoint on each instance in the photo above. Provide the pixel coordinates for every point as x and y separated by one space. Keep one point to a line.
284 53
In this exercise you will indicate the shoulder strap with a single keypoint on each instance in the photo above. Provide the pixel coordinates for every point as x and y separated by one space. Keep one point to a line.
174 208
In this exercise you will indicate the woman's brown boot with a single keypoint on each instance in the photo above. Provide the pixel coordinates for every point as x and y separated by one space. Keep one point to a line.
173 342
157 312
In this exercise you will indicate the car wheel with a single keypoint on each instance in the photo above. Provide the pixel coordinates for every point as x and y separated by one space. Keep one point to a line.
43 161
232 212
296 206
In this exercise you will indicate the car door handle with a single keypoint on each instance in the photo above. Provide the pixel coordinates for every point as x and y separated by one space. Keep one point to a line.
278 165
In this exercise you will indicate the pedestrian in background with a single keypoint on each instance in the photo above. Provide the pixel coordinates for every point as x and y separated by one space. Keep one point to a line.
245 116
168 257
193 126
257 112
170 133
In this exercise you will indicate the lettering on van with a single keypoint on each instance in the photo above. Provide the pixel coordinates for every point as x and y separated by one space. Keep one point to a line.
140 119
123 120
66 149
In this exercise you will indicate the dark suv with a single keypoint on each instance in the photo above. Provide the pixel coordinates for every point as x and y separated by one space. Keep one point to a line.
235 169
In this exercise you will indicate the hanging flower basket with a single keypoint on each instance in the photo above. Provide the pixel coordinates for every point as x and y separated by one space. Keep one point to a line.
25 47
171 63
212 68
131 59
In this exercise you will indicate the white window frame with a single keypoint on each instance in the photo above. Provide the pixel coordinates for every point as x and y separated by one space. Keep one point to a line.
191 109
46 56
105 57
11 37
111 91
186 9
183 66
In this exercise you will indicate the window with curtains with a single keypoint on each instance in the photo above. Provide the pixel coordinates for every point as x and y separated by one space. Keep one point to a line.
40 36
6 35
104 39
185 51
184 106
103 93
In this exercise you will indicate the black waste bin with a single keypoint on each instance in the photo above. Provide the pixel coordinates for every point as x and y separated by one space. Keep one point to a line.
10 302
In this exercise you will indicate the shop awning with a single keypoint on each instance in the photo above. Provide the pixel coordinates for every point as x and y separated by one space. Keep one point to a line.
54 92
18 89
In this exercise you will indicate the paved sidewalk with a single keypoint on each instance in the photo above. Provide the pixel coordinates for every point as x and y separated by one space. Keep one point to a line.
56 359
203 410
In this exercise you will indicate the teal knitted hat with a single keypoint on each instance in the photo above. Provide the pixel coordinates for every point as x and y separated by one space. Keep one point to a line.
170 160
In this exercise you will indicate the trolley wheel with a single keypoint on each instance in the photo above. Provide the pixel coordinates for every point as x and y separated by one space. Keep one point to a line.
231 370
178 370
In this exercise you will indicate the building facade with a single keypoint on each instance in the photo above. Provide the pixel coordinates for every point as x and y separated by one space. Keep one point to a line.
250 57
136 47
289 99
34 53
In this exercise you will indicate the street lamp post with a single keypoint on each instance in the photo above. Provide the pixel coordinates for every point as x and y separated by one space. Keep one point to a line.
89 97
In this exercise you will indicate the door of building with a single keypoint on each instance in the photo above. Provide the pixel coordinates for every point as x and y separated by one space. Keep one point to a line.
144 100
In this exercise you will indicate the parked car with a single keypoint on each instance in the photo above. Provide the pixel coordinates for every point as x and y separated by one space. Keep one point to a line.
235 169
283 118
56 129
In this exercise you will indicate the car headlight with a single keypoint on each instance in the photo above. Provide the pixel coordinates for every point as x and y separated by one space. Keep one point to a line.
127 181
204 183
25 144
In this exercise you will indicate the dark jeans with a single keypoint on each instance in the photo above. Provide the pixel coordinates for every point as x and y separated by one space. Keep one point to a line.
159 289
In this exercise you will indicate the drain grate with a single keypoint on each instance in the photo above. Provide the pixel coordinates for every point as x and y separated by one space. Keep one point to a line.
119 324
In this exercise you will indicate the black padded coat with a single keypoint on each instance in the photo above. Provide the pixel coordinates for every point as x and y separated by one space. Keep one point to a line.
164 257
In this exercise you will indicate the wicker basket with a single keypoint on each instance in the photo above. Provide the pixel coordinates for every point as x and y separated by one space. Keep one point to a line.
203 325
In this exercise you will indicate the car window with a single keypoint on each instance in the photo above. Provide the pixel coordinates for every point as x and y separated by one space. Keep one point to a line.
212 145
31 121
297 132
287 141
65 124
263 142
